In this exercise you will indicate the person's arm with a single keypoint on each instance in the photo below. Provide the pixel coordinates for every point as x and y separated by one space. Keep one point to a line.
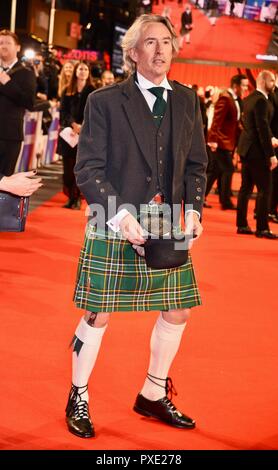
263 127
21 184
19 88
66 119
219 116
195 173
91 162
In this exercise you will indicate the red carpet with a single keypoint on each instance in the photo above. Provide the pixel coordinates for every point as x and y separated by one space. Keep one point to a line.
225 372
230 40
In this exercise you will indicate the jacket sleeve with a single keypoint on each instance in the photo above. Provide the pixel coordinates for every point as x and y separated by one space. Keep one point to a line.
263 127
196 164
92 156
21 89
66 119
220 112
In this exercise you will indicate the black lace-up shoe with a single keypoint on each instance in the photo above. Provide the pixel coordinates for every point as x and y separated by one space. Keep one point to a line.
163 409
77 413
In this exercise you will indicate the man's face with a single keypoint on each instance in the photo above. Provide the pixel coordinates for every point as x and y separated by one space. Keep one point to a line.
108 79
242 89
153 53
8 49
270 83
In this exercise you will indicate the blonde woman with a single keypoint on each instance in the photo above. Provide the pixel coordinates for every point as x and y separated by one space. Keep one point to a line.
64 77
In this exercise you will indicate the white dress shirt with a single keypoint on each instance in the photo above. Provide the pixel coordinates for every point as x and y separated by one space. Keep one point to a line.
236 102
8 66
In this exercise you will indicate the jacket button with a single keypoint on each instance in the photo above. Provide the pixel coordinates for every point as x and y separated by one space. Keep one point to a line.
102 190
148 179
199 190
197 180
198 198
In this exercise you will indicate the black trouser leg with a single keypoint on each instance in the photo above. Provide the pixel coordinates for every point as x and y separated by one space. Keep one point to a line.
274 192
262 179
69 178
245 192
225 163
213 171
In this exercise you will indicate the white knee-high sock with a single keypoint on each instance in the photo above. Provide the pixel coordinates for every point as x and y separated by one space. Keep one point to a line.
84 360
165 341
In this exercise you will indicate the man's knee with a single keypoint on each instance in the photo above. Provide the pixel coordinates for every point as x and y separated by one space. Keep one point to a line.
97 319
176 317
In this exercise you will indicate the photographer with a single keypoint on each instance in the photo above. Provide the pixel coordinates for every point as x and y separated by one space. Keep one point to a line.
41 78
17 92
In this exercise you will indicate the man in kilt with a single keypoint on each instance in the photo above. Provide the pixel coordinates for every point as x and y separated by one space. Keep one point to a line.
141 144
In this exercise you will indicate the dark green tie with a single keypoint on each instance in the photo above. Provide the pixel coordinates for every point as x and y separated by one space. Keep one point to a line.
159 105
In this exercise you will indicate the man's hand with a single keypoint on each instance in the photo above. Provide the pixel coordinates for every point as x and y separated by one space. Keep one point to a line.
192 226
4 78
213 146
274 142
21 184
76 127
273 162
132 230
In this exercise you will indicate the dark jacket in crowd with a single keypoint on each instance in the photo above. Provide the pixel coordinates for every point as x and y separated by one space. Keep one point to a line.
273 97
15 97
72 110
255 139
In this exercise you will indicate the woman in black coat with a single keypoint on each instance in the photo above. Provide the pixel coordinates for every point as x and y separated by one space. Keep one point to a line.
72 106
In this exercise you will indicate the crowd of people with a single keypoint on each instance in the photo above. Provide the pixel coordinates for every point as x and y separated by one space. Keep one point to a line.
241 131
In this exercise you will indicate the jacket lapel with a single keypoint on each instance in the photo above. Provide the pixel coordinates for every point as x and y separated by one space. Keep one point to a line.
135 107
180 120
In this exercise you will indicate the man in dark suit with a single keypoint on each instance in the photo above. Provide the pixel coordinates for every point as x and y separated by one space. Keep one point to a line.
141 143
256 149
223 137
17 93
273 209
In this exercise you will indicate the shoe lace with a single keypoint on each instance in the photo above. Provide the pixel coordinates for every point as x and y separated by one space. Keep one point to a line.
80 407
168 386
169 389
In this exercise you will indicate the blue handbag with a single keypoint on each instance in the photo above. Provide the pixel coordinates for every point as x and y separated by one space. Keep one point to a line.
13 212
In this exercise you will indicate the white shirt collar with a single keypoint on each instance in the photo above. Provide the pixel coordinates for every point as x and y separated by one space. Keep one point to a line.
145 83
263 92
11 65
230 90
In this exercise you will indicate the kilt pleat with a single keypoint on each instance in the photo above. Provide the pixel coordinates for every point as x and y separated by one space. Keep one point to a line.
112 277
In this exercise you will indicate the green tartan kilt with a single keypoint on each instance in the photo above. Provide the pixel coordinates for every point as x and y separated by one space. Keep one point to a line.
112 277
